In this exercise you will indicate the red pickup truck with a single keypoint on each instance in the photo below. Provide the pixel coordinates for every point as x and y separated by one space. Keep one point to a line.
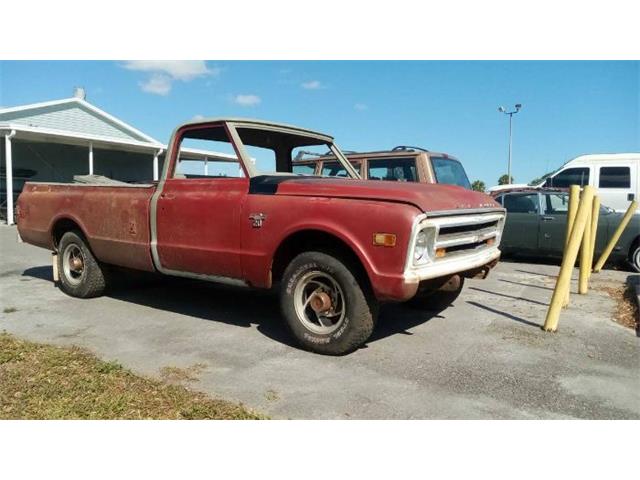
336 246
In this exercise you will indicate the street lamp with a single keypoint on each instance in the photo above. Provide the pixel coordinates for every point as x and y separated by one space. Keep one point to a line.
511 114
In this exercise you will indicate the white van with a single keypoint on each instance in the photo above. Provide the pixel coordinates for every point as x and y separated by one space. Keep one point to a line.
614 175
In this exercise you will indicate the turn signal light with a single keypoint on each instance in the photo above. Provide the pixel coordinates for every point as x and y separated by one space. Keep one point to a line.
384 239
441 252
491 241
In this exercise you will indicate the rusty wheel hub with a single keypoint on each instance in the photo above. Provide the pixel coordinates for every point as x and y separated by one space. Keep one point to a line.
76 264
320 302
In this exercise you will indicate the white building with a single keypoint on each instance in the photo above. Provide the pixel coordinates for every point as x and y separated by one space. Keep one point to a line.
53 141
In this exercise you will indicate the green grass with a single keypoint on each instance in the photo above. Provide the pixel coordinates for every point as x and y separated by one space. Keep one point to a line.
46 382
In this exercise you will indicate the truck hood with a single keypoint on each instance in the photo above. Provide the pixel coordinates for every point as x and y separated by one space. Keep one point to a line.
429 198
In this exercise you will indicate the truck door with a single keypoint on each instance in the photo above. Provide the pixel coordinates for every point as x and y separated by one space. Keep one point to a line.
553 222
523 222
198 207
616 184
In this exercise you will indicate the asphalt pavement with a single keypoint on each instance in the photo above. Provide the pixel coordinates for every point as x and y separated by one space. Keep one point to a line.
483 357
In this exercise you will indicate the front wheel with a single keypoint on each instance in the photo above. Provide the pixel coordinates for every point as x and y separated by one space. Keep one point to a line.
328 309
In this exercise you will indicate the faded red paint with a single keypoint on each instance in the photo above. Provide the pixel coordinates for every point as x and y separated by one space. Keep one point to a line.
204 225
115 220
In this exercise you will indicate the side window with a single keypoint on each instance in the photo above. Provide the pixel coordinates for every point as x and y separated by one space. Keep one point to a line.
392 169
304 168
521 203
615 177
556 203
207 153
333 169
570 176
499 199
263 158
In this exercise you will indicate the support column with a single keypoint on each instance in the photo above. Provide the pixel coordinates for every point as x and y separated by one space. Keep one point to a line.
156 170
155 167
9 175
206 166
90 158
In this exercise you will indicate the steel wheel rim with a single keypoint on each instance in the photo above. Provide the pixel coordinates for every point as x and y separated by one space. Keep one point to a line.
73 263
313 286
636 259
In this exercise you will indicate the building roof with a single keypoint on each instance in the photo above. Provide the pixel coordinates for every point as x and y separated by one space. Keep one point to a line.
74 121
74 115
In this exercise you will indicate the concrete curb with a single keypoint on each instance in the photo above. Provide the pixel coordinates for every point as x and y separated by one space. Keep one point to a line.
634 281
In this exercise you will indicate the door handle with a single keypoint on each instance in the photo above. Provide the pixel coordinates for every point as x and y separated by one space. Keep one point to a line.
547 219
167 196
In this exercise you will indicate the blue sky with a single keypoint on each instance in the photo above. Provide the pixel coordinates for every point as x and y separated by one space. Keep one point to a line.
570 108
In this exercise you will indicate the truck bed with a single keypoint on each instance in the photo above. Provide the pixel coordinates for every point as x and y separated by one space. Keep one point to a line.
115 219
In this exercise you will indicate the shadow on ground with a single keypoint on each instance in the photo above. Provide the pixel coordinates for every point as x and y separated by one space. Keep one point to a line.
236 306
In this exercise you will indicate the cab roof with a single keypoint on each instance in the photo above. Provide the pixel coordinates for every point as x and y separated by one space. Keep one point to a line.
249 122
351 155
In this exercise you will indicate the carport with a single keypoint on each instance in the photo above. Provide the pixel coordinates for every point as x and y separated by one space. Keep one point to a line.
53 141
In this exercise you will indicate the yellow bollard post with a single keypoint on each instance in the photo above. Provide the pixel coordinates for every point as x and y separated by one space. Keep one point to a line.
595 215
569 260
585 250
616 236
574 197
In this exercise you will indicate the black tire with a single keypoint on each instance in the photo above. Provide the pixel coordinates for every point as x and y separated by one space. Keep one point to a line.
437 300
634 257
91 281
344 332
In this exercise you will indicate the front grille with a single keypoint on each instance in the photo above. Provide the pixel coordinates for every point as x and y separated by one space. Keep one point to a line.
466 234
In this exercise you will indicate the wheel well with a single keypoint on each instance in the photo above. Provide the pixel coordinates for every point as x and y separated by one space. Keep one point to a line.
61 227
319 241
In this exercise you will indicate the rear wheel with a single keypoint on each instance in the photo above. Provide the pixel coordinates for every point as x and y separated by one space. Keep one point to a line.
81 275
440 298
327 308
634 257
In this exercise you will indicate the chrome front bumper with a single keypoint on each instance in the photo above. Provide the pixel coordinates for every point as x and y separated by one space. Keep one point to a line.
455 265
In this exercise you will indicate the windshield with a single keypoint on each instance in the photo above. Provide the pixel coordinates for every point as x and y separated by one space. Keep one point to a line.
450 171
277 152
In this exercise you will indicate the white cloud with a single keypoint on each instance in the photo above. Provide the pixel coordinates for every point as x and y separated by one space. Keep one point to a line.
157 84
360 106
247 100
312 85
177 69
197 117
165 72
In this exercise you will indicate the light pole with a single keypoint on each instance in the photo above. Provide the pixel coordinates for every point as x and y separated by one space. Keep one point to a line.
511 114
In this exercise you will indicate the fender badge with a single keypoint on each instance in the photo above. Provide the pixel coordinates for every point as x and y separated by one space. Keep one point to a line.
257 219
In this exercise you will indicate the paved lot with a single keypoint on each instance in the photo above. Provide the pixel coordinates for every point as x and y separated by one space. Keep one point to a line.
484 357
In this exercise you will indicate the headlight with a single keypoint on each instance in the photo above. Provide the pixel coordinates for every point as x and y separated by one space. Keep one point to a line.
421 246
